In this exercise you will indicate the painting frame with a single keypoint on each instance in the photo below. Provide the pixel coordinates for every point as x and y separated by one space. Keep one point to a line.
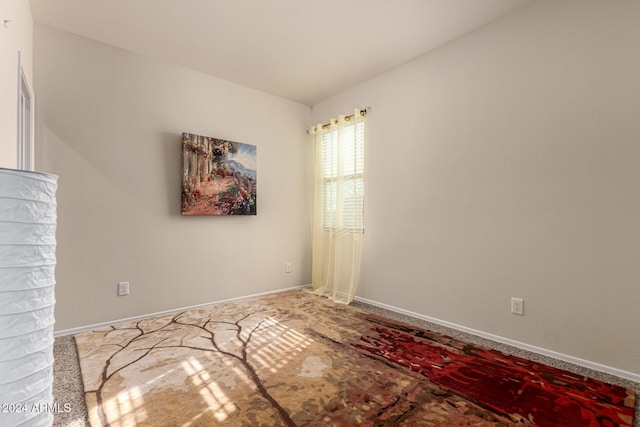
219 176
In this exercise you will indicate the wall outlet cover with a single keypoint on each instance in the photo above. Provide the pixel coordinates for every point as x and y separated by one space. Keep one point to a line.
123 288
517 306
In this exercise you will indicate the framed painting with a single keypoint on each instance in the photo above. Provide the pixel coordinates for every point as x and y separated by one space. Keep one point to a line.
218 176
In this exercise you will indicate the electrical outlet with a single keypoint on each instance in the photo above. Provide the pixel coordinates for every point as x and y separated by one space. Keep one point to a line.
517 306
287 267
123 289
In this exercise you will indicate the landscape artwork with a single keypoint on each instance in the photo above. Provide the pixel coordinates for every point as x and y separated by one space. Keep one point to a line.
218 176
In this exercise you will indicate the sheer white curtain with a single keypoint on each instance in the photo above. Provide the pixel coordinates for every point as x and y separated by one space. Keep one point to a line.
338 211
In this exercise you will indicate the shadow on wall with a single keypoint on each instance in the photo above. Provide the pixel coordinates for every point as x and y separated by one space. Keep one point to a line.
171 144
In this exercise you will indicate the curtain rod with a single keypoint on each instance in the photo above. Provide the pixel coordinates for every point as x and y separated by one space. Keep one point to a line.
363 112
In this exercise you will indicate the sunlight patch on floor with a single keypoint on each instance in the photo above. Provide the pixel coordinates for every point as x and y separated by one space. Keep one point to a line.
160 377
277 344
217 401
129 407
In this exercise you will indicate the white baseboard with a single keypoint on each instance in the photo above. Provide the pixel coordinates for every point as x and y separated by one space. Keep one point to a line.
81 329
517 344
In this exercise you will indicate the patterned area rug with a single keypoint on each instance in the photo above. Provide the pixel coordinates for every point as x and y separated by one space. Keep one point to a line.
295 359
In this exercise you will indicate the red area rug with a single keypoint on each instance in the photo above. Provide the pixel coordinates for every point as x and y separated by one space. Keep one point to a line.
296 359
545 395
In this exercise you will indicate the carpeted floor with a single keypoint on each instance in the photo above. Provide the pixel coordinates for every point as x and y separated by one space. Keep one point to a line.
68 383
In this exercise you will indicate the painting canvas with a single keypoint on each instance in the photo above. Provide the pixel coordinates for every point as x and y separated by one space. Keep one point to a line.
218 176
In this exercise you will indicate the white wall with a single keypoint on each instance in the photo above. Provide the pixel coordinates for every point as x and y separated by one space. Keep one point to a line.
506 164
109 123
16 36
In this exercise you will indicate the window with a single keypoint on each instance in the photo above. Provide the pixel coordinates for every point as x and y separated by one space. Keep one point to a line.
342 161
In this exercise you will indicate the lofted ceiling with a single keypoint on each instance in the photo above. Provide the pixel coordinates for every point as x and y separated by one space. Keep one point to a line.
302 50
